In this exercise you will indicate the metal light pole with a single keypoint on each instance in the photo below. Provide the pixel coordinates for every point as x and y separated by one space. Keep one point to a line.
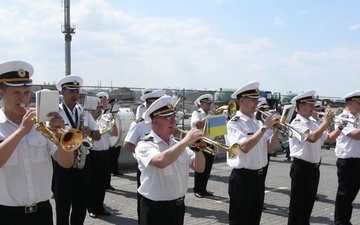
68 31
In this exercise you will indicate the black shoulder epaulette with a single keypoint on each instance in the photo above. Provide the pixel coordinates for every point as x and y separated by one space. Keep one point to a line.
149 138
296 120
199 110
235 118
139 120
142 106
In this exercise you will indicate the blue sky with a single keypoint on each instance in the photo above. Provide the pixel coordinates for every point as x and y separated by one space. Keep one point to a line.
192 44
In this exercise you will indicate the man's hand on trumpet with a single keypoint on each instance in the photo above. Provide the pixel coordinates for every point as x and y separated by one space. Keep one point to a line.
28 120
328 116
271 121
193 135
56 120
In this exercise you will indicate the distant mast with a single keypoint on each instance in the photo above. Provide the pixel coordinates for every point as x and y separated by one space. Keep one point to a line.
68 31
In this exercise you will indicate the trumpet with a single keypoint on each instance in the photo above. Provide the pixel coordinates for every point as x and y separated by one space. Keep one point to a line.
232 150
339 119
284 128
70 140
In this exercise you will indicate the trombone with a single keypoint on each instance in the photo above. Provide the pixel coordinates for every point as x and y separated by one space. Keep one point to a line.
232 150
284 128
70 140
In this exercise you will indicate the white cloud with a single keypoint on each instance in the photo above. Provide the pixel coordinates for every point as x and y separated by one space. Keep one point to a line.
279 21
115 47
354 27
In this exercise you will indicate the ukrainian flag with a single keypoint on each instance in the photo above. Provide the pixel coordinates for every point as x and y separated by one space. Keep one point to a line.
216 126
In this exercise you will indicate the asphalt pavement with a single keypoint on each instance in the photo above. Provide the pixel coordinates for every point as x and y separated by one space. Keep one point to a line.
122 202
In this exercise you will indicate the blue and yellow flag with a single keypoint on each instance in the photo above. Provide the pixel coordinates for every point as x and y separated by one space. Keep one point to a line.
215 126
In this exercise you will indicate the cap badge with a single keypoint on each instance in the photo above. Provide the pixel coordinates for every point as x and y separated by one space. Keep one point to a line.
169 105
75 82
21 73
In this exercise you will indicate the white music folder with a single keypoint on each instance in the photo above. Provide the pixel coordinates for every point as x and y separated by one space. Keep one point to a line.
91 102
47 101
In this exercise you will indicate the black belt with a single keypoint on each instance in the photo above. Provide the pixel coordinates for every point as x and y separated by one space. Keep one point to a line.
26 209
307 164
252 172
178 201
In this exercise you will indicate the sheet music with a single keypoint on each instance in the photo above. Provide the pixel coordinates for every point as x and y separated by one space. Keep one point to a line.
46 101
287 114
91 102
115 108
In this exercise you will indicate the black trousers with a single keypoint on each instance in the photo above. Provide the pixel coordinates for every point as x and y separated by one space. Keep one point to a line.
162 212
70 190
201 179
138 174
304 184
98 166
348 188
114 157
246 192
16 215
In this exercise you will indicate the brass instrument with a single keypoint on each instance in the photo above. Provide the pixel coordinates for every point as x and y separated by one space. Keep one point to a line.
284 128
339 119
231 109
69 140
105 122
232 150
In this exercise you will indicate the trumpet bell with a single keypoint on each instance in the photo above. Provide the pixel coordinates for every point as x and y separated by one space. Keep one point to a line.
69 140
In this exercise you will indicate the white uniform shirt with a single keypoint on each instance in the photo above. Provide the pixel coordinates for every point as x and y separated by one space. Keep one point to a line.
302 149
137 131
88 119
164 184
103 144
196 116
347 147
140 110
25 178
240 128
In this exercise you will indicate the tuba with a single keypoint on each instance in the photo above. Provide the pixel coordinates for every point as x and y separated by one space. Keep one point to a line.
69 140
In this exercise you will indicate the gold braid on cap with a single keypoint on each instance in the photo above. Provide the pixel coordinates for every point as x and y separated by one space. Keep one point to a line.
254 92
307 99
9 80
357 98
170 108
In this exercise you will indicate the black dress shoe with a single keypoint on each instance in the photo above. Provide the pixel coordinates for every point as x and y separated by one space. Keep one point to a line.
206 193
104 212
111 188
93 215
198 195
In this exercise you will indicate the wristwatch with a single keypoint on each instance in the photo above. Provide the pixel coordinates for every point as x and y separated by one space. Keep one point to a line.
263 129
